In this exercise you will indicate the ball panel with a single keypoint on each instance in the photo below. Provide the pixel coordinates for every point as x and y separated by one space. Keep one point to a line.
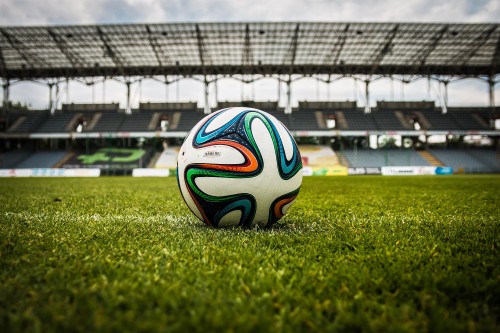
231 219
203 135
287 140
217 154
224 117
280 206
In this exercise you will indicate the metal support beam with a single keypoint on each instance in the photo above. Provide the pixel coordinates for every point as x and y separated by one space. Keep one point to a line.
75 60
367 97
379 55
53 106
334 55
54 103
6 91
167 88
491 88
292 53
288 107
247 51
392 88
201 52
445 98
22 50
495 60
153 41
474 46
446 93
3 67
51 97
423 54
216 92
279 90
104 90
128 109
207 105
429 82
111 52
67 90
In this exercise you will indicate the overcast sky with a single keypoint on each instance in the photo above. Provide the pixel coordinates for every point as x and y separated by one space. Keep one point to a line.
50 12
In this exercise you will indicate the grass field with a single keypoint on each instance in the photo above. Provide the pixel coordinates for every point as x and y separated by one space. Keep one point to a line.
353 254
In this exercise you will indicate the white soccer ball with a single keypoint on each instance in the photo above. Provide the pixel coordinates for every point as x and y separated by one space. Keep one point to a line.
239 167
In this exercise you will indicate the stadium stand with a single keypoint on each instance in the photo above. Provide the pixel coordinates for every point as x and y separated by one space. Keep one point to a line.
188 119
383 157
471 119
27 122
306 120
11 159
438 121
108 122
136 122
387 120
180 116
489 158
269 107
360 121
469 161
103 107
310 116
56 123
42 159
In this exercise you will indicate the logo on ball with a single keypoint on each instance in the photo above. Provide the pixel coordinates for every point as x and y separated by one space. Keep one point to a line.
239 167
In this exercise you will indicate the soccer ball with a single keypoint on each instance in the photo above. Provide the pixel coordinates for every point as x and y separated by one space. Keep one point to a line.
239 167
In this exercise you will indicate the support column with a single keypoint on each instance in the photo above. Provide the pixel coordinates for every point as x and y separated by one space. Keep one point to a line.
328 85
367 97
253 89
6 88
103 90
279 90
446 93
207 105
51 101
67 91
429 88
53 106
317 90
177 90
216 88
166 88
445 106
288 107
491 88
127 107
392 89
140 91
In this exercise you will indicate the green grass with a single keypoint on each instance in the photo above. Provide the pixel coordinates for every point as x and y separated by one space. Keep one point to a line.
354 254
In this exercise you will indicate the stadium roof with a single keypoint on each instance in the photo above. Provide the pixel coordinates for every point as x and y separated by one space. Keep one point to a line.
266 48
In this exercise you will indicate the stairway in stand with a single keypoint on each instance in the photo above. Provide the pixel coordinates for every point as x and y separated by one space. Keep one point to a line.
433 160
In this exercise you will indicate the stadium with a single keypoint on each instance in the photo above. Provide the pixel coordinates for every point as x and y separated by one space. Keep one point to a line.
358 253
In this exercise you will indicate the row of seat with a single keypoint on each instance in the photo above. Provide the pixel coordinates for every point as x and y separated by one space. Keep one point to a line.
305 120
470 160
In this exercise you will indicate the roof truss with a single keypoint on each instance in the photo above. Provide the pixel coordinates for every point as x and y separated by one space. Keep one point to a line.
255 48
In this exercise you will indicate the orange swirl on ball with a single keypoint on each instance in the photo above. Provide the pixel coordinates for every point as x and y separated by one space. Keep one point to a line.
250 165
